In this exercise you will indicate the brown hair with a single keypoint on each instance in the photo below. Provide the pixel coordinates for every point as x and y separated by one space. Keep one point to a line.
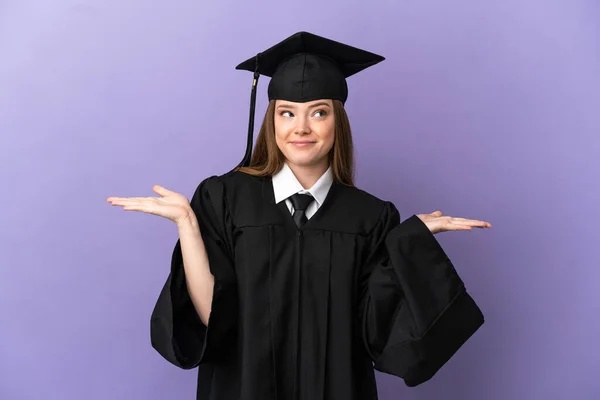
267 159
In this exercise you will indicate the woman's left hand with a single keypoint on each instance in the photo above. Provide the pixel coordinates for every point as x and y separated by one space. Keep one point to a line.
436 222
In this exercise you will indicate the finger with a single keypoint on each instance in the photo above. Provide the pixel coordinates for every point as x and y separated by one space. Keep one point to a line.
436 213
145 208
121 199
464 227
466 221
453 227
481 224
139 200
142 199
113 199
471 222
117 200
161 190
463 219
128 203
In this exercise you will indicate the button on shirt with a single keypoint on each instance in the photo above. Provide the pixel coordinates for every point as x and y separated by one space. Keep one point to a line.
285 184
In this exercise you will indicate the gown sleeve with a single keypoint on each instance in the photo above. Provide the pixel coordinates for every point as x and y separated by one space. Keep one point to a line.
176 330
415 310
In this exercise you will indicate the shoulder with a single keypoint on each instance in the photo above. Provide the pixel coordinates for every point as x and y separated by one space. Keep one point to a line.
361 197
364 200
358 210
229 183
229 187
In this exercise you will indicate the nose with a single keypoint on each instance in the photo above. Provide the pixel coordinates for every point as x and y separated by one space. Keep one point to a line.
302 127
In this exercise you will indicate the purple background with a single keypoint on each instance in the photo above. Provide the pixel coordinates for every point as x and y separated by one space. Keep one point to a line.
483 109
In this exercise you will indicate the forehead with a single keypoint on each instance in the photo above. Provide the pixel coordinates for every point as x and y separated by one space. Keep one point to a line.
307 104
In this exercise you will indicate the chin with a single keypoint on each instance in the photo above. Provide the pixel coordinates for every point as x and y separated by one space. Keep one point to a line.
305 161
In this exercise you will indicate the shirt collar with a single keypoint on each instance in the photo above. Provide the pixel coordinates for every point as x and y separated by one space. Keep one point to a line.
286 184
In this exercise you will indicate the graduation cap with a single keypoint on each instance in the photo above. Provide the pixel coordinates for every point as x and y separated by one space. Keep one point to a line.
305 67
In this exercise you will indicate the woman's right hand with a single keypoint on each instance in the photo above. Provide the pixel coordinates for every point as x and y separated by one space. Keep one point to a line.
170 205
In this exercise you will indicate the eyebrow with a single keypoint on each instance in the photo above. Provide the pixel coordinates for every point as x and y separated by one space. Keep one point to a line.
319 104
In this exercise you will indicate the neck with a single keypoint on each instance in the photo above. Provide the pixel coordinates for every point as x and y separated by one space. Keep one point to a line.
308 175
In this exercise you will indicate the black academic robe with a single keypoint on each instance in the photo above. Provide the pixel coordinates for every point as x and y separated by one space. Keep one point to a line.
308 314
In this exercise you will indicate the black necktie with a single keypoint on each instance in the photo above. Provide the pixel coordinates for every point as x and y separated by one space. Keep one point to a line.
300 203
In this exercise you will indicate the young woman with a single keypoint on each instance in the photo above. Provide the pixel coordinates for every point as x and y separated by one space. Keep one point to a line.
287 281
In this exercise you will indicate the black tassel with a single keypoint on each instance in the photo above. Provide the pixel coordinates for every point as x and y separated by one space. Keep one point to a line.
247 157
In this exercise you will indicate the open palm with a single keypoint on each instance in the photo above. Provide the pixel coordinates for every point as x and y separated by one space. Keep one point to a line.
437 222
170 205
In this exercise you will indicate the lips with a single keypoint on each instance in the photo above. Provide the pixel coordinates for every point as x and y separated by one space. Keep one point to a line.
302 143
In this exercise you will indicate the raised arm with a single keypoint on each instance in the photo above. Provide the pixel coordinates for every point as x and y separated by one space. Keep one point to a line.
194 319
415 310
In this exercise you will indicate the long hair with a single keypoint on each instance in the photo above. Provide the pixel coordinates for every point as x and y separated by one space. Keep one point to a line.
267 159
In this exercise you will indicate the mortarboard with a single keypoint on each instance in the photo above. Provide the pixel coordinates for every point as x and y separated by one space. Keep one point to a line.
305 67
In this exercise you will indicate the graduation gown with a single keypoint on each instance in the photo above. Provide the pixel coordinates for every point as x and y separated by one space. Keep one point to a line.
310 313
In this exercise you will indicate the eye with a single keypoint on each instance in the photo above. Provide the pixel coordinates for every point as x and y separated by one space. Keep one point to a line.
322 112
283 114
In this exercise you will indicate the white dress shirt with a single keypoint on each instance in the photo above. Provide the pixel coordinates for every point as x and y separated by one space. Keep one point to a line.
285 184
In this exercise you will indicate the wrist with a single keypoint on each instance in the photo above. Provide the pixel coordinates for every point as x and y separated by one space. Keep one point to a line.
188 221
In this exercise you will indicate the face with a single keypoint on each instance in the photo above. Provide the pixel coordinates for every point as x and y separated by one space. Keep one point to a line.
305 131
